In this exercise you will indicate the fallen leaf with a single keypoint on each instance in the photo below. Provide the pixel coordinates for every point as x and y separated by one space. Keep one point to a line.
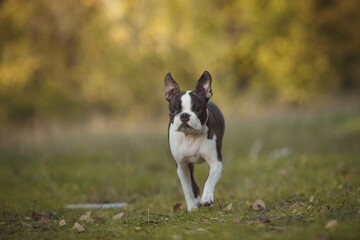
177 207
27 218
42 220
78 227
118 216
278 228
138 229
311 199
262 225
258 205
228 208
294 206
62 222
36 216
2 223
236 219
331 224
85 217
27 225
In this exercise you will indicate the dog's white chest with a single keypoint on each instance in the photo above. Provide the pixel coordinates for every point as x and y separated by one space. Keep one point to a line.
191 148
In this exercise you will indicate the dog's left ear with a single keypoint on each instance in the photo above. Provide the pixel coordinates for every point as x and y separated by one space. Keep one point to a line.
203 86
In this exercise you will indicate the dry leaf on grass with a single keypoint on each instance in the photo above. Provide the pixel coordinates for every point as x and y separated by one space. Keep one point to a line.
331 224
2 223
236 219
27 225
262 225
258 205
42 220
311 199
277 228
228 208
62 222
78 227
118 216
294 206
36 216
85 217
177 207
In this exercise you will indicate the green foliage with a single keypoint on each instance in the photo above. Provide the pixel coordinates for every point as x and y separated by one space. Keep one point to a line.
69 59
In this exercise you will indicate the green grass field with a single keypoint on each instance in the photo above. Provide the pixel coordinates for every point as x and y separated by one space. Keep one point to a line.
307 172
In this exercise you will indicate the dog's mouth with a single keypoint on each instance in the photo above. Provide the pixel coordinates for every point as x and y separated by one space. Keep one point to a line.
185 128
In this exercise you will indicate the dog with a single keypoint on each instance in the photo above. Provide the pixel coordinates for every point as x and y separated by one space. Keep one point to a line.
195 134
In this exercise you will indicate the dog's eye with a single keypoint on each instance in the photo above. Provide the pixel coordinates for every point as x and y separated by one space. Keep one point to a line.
173 110
197 109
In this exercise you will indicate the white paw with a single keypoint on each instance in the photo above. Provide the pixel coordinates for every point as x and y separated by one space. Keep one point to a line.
194 204
207 199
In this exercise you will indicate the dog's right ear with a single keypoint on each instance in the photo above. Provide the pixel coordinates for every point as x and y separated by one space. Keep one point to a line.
171 87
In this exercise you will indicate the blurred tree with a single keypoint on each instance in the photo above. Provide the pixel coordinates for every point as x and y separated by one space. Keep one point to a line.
72 58
295 50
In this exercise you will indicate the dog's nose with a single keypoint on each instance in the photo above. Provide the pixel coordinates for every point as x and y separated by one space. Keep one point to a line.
184 117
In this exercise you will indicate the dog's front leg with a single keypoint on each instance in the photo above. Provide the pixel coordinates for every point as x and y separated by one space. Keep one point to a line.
214 176
183 172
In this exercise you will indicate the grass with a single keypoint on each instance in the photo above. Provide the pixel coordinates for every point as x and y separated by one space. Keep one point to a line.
317 180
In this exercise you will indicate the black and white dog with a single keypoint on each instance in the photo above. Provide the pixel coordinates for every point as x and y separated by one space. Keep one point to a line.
196 129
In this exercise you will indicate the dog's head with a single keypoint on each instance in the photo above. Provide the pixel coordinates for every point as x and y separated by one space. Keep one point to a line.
188 109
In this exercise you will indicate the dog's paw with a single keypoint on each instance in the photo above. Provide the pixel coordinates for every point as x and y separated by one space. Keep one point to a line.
206 204
193 205
207 198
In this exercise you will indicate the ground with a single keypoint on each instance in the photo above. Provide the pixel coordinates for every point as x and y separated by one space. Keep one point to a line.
304 166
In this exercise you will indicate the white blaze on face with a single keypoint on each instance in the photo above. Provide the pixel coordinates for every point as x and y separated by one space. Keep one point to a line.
186 105
186 102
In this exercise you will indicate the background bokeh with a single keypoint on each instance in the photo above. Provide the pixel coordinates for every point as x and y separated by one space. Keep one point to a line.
83 117
69 60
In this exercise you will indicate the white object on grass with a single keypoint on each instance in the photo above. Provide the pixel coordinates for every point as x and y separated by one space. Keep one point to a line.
97 205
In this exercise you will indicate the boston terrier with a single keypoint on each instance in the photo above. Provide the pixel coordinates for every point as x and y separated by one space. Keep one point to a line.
196 129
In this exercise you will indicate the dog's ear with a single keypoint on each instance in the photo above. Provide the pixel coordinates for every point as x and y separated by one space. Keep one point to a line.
171 87
203 86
